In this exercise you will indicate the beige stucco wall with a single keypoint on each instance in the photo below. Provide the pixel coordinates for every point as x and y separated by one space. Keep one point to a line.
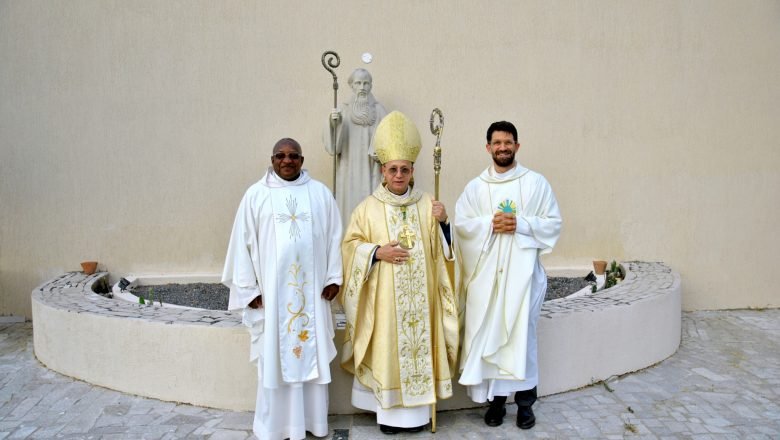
129 130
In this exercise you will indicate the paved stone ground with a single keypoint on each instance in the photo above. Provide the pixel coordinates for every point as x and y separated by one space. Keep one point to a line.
724 382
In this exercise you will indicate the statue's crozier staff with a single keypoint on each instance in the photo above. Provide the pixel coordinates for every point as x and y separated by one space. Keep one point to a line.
331 60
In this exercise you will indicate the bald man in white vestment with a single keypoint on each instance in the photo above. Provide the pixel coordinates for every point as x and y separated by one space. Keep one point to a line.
504 221
283 268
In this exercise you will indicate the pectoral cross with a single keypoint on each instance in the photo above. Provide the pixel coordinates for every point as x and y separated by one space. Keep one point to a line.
406 237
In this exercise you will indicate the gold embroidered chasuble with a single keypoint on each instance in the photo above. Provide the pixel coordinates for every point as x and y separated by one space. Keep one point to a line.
402 324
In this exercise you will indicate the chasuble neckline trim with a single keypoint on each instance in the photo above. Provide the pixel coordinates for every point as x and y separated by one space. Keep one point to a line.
384 195
517 172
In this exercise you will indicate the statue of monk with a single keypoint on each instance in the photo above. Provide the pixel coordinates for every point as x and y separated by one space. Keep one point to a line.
354 123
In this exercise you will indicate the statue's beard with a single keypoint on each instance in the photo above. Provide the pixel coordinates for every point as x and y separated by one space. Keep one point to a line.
363 112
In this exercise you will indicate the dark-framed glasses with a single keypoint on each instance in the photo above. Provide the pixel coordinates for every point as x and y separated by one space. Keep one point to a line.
291 156
405 171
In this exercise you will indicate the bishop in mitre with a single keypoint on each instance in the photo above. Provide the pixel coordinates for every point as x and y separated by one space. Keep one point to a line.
283 268
401 341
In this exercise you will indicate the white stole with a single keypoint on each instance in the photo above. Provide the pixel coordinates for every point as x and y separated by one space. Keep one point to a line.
296 296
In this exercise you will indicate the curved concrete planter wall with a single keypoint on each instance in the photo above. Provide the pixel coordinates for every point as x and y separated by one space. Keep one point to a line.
201 356
625 328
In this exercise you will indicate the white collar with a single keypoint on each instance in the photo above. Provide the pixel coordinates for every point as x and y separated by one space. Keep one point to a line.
272 180
490 174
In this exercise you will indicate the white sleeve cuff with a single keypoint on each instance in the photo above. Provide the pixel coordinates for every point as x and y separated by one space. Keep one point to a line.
523 227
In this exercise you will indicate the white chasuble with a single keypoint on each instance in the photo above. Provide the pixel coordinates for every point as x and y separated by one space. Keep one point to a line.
285 248
496 270
295 308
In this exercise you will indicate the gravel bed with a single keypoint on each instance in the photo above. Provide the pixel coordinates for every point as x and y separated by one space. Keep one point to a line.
561 287
215 296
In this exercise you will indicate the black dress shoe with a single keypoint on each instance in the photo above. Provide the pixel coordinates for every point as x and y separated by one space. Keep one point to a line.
415 429
525 417
495 414
387 429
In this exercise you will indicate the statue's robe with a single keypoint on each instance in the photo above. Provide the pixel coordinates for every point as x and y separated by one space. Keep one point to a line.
358 170
285 246
401 341
500 280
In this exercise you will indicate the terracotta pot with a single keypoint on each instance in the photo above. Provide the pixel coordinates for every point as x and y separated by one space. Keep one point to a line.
599 266
89 267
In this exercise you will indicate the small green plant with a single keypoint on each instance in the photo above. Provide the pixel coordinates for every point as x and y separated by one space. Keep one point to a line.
149 300
610 280
615 273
